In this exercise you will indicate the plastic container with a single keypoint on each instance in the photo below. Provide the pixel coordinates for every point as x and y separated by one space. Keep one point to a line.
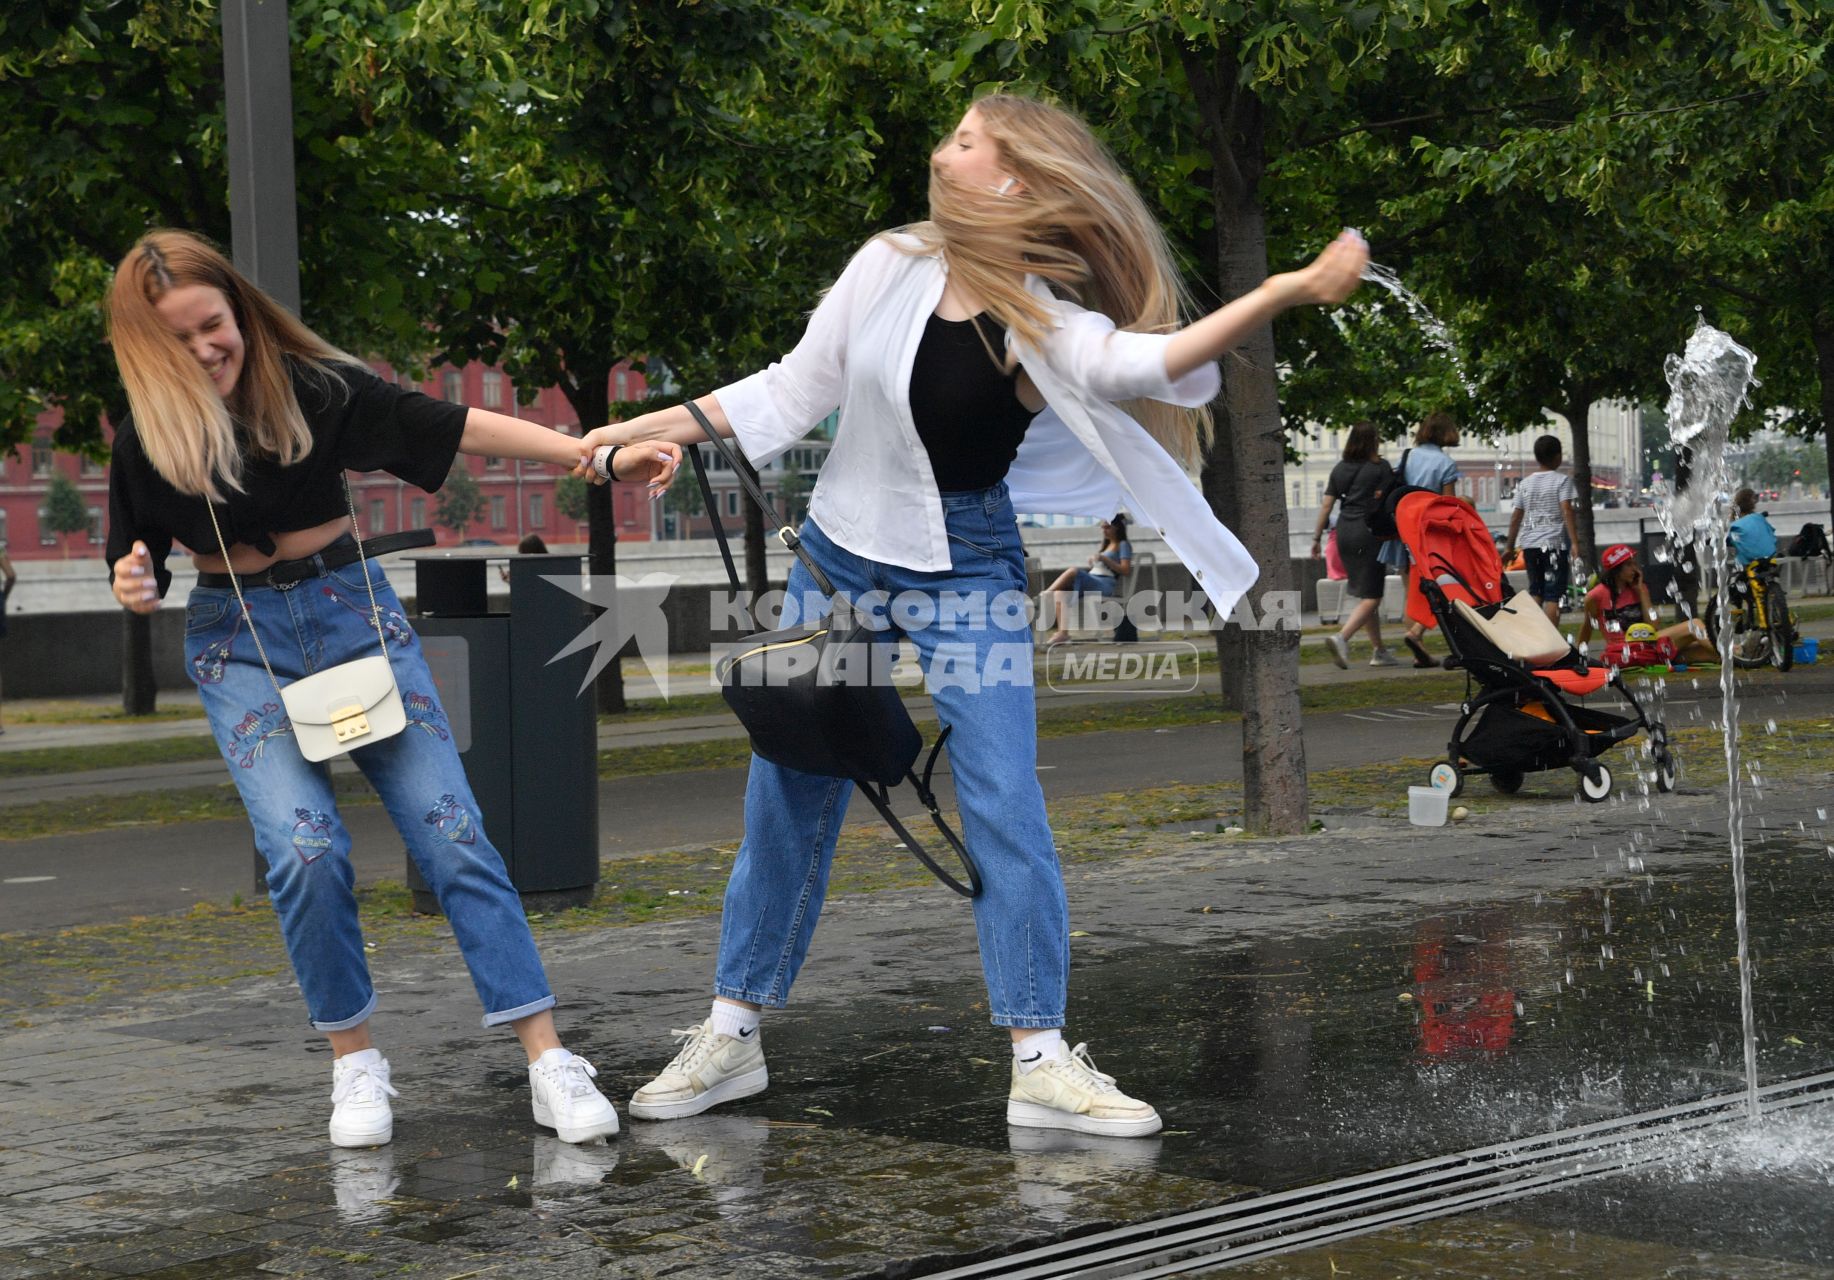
1426 806
1808 649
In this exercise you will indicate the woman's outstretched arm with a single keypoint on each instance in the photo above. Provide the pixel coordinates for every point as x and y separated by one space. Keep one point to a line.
1331 277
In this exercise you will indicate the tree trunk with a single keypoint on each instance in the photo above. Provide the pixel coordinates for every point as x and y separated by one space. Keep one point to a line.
1578 409
589 394
139 690
1823 335
1245 470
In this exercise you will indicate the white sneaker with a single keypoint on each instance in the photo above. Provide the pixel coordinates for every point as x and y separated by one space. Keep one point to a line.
1067 1092
1383 658
1340 652
710 1069
566 1100
360 1114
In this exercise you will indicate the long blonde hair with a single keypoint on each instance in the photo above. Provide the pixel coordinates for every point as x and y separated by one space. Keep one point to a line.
185 427
1080 225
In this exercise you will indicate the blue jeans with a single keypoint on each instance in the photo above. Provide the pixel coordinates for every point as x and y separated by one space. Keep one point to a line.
977 663
307 627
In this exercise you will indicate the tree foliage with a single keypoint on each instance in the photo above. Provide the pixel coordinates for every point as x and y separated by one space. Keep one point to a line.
460 501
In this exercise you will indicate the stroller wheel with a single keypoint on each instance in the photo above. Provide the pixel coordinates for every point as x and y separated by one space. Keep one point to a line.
1446 776
1663 757
1506 781
1665 772
1594 783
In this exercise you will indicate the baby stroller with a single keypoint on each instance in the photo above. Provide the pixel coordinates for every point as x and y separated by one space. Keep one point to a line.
1516 718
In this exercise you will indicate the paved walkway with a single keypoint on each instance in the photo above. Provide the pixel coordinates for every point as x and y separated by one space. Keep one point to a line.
1297 1009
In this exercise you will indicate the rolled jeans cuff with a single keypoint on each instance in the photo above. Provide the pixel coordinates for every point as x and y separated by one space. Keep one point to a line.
1029 1024
345 1024
521 1011
749 997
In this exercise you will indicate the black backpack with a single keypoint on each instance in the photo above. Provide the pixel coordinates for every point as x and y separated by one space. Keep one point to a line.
1812 540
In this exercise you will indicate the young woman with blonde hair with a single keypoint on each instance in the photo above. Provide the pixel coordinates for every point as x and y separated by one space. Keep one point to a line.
1019 349
243 424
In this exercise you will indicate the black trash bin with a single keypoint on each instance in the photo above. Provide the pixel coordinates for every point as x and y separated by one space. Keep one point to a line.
526 734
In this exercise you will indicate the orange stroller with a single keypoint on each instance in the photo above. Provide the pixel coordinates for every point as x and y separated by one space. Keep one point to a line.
1516 718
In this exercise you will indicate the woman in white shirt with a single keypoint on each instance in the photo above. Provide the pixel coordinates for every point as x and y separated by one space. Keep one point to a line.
968 386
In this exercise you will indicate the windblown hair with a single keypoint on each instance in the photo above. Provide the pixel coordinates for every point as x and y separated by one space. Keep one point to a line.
188 431
1362 444
1078 224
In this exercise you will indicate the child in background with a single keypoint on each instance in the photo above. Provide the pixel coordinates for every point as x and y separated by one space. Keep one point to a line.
1752 536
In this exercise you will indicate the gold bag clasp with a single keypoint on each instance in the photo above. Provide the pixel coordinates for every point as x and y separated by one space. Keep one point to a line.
349 722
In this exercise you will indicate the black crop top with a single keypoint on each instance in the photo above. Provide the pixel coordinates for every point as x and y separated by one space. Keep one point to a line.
966 407
359 422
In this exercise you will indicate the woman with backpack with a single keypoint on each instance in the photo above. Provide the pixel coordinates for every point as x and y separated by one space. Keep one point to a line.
969 385
1357 486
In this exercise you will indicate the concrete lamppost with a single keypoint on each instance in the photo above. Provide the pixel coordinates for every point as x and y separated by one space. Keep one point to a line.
263 202
258 96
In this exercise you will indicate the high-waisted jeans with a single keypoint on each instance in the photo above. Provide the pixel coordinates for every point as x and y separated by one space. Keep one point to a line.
307 627
974 641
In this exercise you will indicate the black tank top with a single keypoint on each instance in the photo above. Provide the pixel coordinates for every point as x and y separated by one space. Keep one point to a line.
966 407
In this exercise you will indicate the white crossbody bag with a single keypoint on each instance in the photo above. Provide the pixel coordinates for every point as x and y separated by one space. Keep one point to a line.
340 708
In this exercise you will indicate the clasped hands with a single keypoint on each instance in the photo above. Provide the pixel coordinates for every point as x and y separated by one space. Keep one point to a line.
654 462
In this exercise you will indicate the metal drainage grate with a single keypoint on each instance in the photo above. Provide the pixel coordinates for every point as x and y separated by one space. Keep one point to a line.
1283 1221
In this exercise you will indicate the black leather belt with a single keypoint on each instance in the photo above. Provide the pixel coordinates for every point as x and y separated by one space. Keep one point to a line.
284 573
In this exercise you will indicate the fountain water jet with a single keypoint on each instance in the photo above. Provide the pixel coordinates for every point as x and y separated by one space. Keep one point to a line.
1708 383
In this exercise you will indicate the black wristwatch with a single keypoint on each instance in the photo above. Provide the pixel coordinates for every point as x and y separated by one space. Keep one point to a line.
604 467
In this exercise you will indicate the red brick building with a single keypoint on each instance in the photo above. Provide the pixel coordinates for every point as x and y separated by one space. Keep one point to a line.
518 496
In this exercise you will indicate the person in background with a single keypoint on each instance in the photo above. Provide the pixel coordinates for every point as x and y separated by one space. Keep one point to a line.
531 545
1356 487
1543 524
8 576
1106 569
1427 465
1752 535
1621 600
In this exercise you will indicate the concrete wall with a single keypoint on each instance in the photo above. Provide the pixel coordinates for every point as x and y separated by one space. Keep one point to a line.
59 655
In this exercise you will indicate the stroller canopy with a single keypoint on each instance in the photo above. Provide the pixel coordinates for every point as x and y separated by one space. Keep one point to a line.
1450 544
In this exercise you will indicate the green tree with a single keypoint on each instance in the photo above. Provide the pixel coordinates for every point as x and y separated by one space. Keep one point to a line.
684 501
676 180
1201 101
1700 131
570 497
460 500
65 511
792 495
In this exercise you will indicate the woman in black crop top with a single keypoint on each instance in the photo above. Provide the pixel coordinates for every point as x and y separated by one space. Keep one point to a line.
236 402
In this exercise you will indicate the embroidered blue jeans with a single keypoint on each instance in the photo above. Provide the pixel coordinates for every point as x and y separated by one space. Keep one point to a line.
974 641
307 627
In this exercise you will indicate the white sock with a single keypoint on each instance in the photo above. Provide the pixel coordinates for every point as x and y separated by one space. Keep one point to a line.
1036 1048
362 1057
552 1057
734 1020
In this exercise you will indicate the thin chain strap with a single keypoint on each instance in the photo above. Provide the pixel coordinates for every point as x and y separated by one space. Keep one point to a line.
375 611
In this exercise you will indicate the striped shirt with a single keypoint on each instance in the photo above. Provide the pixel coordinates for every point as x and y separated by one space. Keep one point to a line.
1538 498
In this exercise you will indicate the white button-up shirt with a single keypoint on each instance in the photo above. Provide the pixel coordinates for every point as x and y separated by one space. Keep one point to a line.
1082 456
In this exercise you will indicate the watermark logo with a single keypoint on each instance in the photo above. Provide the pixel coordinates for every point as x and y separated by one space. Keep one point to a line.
1161 667
630 609
959 651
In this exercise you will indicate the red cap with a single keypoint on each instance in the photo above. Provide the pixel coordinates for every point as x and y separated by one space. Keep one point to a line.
1615 556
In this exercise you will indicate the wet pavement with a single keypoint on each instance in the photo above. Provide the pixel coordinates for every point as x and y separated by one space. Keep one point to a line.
1298 1010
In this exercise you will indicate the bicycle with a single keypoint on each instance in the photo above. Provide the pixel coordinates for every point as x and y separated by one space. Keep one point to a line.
1761 623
